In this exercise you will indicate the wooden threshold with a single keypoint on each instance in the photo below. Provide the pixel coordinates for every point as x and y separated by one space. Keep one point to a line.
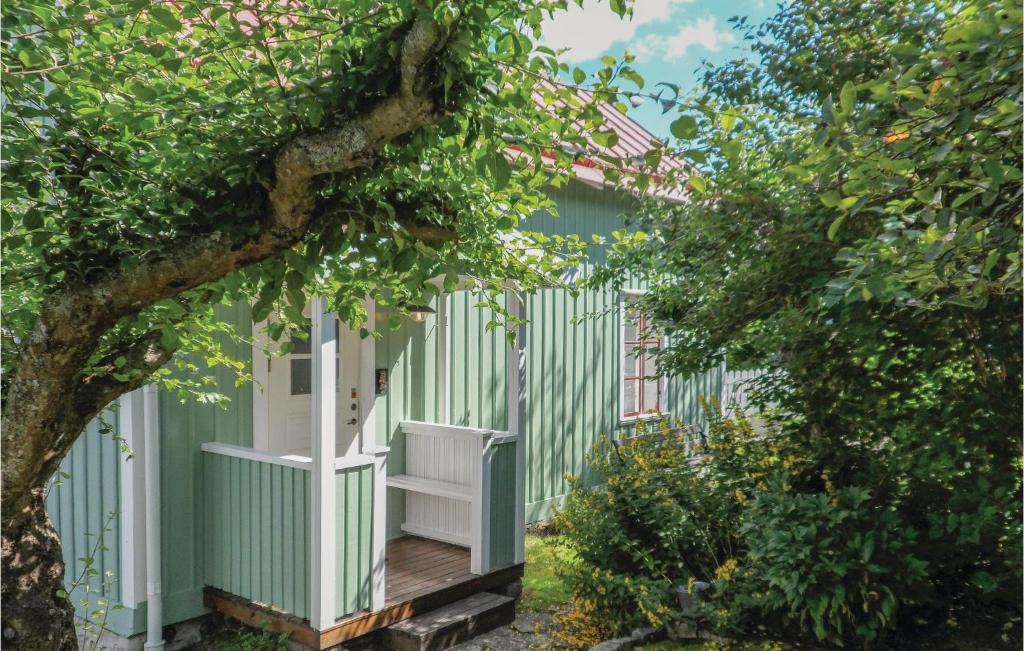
421 575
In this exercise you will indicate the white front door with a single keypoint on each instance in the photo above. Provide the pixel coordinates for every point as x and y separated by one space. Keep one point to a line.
289 397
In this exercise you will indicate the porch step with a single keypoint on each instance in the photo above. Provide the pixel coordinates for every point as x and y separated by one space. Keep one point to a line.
447 626
447 489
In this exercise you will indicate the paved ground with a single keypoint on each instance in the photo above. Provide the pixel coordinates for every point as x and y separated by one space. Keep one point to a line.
522 634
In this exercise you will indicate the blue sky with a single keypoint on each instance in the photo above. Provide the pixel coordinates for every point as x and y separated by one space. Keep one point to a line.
669 37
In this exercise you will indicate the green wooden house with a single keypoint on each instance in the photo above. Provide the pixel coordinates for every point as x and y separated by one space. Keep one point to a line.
359 482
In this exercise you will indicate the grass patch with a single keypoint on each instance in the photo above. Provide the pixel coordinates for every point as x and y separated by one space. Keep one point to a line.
543 588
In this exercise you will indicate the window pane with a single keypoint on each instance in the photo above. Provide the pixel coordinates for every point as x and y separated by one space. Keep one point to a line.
629 332
629 366
301 347
650 365
302 376
651 396
629 397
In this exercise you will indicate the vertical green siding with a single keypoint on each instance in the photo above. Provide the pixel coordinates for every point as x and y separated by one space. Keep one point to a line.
503 504
573 355
478 362
410 354
184 427
354 521
685 395
257 528
84 504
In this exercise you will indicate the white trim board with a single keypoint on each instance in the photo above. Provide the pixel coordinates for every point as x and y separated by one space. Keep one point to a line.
449 431
226 449
132 575
323 535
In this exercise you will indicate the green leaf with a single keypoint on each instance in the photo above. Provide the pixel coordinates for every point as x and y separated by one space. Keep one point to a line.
33 219
405 261
578 75
831 198
828 114
727 120
451 281
698 183
696 155
165 18
606 138
168 338
848 97
501 170
941 153
834 227
315 112
684 127
985 581
142 92
993 170
847 202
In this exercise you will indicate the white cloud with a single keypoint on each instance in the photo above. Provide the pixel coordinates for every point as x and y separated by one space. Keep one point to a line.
591 29
701 32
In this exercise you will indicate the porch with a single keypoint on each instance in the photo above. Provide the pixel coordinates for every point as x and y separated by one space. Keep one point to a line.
296 527
422 575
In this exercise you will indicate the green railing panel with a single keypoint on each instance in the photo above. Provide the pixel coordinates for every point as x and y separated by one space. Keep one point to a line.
257 531
354 520
503 505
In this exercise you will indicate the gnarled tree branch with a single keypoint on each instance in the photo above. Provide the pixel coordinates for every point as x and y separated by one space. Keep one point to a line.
73 319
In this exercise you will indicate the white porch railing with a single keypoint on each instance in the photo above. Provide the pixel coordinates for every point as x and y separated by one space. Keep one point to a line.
448 485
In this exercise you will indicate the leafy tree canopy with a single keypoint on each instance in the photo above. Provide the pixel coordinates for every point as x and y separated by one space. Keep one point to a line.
858 234
133 127
164 157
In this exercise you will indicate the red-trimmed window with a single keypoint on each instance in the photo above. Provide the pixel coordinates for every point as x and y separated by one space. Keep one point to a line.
642 386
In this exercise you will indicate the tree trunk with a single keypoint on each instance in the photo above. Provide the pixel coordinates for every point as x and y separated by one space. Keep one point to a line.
35 614
49 400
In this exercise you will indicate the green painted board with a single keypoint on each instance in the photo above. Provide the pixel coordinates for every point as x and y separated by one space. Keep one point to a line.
239 520
503 504
354 522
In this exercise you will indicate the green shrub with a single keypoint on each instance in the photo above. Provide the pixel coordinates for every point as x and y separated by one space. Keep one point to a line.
662 516
847 544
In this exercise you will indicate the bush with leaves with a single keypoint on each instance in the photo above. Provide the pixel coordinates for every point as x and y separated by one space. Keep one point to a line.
859 234
661 516
793 546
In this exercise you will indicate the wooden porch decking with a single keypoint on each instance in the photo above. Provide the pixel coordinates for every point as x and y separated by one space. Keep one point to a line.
420 575
417 565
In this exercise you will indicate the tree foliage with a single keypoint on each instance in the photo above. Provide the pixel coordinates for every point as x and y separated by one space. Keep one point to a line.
858 234
164 157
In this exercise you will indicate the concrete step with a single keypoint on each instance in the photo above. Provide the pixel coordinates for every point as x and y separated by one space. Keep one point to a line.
447 626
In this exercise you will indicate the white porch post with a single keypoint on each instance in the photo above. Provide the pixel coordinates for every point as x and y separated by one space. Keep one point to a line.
378 576
154 581
444 356
260 387
480 507
368 445
367 383
132 579
516 410
324 537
